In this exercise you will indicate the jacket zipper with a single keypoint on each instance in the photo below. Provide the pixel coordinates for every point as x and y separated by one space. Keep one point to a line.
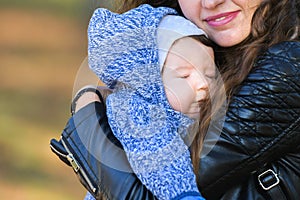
77 167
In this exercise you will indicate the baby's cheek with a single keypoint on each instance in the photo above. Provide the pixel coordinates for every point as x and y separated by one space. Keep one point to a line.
174 100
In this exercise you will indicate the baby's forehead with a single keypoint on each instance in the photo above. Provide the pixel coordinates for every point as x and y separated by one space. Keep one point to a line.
190 43
191 49
188 54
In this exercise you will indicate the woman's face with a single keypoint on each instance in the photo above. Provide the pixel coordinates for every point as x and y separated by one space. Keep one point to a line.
227 22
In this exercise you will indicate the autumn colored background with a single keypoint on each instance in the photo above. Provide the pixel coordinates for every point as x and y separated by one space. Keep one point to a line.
42 45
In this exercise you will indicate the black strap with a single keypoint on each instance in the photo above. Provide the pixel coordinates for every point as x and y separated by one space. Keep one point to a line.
269 181
276 193
80 93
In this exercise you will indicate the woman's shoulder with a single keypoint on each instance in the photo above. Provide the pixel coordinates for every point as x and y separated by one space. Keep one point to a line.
287 49
280 56
278 67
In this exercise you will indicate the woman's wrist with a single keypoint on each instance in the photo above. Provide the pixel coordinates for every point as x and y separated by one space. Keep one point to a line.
85 99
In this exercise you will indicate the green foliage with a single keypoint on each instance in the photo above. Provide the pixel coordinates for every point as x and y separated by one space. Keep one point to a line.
64 7
57 4
41 44
79 9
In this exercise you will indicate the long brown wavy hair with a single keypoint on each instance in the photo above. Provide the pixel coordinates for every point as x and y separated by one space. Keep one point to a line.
125 5
273 22
267 29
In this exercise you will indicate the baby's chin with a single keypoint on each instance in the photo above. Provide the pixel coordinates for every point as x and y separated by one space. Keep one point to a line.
193 115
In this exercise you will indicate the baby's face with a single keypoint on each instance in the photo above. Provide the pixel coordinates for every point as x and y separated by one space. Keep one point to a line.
188 71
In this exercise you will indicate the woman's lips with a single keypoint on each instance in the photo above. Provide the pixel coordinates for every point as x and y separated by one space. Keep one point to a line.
221 19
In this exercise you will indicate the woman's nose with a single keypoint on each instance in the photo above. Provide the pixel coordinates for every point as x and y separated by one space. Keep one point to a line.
210 4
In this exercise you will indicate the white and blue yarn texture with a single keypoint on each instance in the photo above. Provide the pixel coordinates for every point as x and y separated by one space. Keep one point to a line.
123 52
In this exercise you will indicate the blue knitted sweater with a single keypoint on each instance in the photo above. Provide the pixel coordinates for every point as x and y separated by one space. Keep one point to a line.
122 51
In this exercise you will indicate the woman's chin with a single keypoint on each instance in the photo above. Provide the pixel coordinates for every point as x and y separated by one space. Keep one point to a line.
227 39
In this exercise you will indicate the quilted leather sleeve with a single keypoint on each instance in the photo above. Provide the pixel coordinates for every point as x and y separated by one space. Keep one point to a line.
262 126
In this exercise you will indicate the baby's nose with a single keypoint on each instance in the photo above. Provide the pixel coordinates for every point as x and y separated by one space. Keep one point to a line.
202 88
201 82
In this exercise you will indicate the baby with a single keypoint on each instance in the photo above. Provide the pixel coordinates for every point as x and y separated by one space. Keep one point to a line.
159 72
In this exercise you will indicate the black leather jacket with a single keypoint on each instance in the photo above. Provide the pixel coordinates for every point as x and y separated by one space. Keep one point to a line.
261 131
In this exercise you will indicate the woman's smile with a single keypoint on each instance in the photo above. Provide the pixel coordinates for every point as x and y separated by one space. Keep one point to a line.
226 22
221 19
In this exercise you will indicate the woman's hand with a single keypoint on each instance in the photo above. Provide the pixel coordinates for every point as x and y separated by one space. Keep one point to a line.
85 99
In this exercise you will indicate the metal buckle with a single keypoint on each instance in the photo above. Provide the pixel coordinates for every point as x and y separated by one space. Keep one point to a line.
270 174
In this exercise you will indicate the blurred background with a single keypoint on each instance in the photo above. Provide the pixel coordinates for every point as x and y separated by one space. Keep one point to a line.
42 46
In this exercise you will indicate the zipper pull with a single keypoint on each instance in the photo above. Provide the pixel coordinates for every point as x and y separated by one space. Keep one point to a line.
73 162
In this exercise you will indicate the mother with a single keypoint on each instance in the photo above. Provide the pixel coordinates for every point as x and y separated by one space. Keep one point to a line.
258 153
